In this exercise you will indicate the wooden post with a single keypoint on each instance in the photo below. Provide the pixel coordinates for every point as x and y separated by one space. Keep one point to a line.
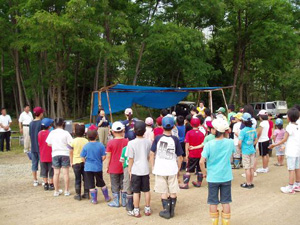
224 99
111 118
99 100
91 111
211 102
198 101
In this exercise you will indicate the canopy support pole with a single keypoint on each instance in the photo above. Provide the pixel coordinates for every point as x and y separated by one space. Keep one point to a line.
210 102
91 111
224 100
198 101
111 118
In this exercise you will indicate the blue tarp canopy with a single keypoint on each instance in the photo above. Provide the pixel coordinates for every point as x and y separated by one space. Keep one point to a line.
123 96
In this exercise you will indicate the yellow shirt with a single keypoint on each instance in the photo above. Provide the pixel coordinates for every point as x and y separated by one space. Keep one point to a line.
77 145
201 110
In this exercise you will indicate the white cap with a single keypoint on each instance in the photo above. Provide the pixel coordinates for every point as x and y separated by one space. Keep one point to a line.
128 111
149 121
118 126
220 125
262 112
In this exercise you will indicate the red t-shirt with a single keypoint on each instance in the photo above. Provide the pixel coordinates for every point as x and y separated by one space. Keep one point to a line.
271 128
194 138
158 131
45 150
115 147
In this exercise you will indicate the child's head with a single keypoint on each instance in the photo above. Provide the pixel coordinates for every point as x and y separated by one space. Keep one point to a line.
297 107
221 127
195 122
118 129
92 133
149 121
159 121
238 117
207 112
163 112
246 118
249 109
194 111
210 127
221 110
293 115
79 130
128 113
270 117
168 123
59 123
263 115
188 118
174 113
201 119
38 112
231 108
180 120
46 123
139 128
279 123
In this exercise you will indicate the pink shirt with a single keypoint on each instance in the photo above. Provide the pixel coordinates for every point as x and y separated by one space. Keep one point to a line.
279 135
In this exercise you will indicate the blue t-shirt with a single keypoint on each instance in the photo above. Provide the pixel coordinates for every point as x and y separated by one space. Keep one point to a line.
129 129
248 136
218 154
93 152
181 133
34 128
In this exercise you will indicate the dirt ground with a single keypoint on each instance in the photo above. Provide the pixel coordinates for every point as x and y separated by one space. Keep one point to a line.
21 203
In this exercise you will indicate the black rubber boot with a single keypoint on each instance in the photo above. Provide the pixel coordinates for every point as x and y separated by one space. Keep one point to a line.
167 208
173 205
86 194
183 166
129 205
78 193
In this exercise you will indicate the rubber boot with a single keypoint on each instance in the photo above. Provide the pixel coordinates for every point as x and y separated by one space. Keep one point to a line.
123 198
199 180
186 180
78 193
236 163
226 218
183 166
214 218
129 204
173 205
116 200
94 193
105 194
86 194
166 213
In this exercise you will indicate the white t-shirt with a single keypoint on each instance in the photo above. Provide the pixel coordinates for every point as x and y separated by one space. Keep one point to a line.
5 120
254 123
149 133
208 118
175 132
25 118
265 130
236 129
202 129
59 139
139 149
292 147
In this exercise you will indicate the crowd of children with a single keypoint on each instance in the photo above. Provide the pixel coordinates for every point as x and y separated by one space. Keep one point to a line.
206 144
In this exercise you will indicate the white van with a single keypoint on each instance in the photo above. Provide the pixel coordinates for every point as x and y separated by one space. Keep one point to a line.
270 107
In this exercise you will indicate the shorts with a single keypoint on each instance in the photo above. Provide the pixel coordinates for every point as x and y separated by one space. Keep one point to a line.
166 184
238 152
248 161
213 193
46 170
116 182
60 161
293 163
183 148
193 165
140 183
35 158
126 181
278 152
91 177
263 148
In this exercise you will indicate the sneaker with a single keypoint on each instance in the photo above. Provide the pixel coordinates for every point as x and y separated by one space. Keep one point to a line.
255 174
252 185
25 151
67 193
135 212
57 193
51 187
147 211
35 183
46 187
296 188
243 175
262 170
287 190
245 185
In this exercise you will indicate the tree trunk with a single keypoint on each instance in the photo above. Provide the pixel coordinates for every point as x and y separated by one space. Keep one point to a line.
96 83
105 72
137 68
18 79
16 100
1 81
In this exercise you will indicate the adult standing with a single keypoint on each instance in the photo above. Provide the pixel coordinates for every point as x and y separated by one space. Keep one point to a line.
5 122
103 127
201 108
24 120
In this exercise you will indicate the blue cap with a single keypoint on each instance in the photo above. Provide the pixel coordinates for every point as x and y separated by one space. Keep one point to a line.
46 122
278 121
168 122
246 117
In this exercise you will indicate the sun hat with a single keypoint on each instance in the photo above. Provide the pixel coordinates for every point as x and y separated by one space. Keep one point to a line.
278 121
149 121
221 109
262 112
118 126
128 111
220 125
246 117
238 116
168 122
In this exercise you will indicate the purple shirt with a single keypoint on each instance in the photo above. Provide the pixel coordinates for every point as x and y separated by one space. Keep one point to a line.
279 135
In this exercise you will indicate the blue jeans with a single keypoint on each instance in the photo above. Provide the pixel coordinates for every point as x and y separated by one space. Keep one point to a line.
35 158
213 193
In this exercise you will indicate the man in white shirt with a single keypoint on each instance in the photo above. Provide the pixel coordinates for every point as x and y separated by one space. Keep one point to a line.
5 122
24 121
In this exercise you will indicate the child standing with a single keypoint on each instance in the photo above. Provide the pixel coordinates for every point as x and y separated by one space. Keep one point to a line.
181 134
193 145
45 154
270 133
34 128
158 130
149 130
59 140
93 154
247 141
77 162
211 131
138 153
115 168
263 140
217 154
277 137
292 151
166 157
236 131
